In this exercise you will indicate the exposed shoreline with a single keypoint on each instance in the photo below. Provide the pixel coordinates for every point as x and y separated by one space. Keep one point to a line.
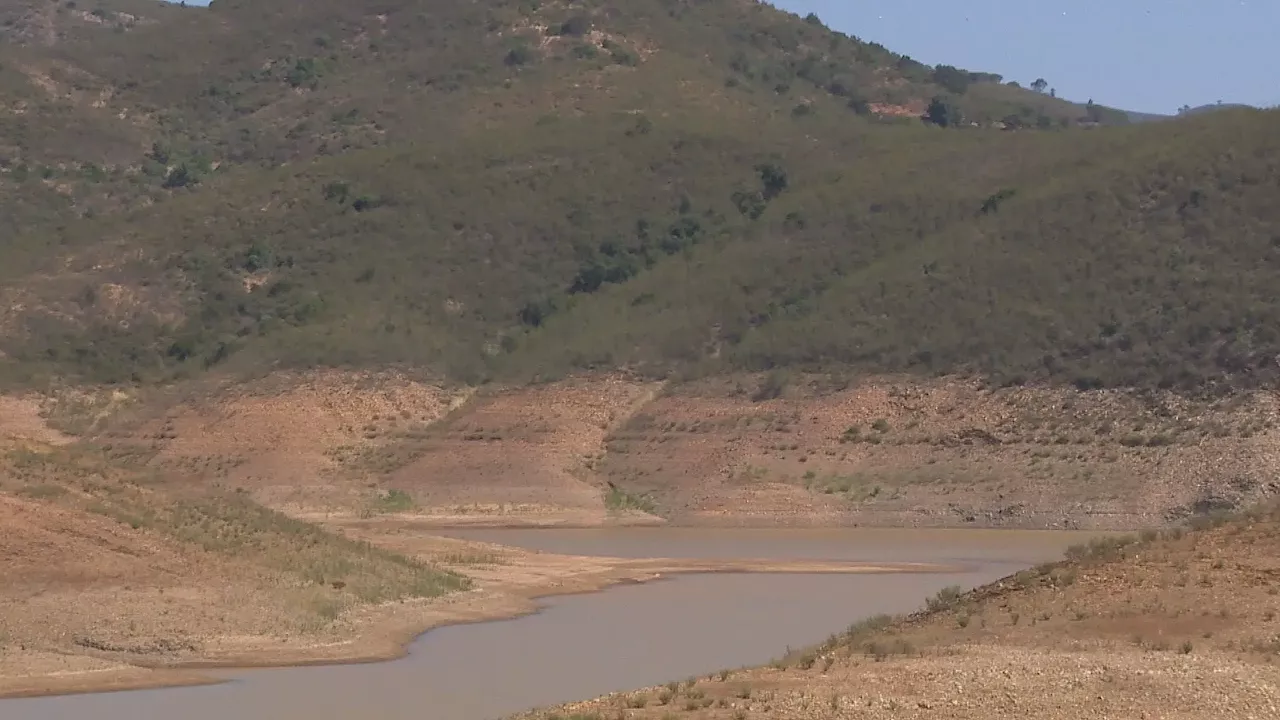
387 633
985 519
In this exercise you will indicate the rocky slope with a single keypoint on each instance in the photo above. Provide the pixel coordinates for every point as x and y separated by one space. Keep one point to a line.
610 448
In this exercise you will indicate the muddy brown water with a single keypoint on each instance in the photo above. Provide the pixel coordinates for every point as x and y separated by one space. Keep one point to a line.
587 645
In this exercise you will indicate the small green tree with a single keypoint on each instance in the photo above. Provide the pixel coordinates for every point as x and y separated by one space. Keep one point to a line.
258 257
859 104
943 113
577 26
337 191
182 176
160 153
750 204
305 72
773 178
520 55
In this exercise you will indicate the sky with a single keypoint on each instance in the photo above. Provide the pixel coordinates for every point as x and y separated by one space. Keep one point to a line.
1144 55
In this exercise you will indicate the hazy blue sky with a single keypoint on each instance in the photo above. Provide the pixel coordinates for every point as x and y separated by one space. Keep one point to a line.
1145 55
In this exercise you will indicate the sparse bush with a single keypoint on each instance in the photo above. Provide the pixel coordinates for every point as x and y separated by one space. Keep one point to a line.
772 386
576 26
1101 549
394 500
945 599
520 55
618 500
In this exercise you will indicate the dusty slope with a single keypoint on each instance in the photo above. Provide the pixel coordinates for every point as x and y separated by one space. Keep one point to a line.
741 450
1184 626
943 452
282 437
77 585
325 444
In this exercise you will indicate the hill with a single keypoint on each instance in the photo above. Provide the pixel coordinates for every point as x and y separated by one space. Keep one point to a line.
683 210
466 187
688 209
1180 623
1212 107
274 264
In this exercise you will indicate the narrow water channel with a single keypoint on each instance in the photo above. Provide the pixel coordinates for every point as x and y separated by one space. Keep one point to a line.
587 645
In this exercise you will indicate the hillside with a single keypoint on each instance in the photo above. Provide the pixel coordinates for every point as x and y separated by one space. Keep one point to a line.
492 191
1179 625
1212 107
677 242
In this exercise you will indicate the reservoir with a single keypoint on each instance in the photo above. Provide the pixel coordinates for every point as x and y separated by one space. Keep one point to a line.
582 646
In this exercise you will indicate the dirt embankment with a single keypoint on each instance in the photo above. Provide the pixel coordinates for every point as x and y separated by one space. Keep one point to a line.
737 451
1182 626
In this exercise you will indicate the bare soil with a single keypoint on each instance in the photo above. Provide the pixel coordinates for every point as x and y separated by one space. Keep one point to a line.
728 451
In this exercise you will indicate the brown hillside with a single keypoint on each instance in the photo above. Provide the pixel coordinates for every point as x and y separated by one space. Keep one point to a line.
740 450
945 452
285 437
